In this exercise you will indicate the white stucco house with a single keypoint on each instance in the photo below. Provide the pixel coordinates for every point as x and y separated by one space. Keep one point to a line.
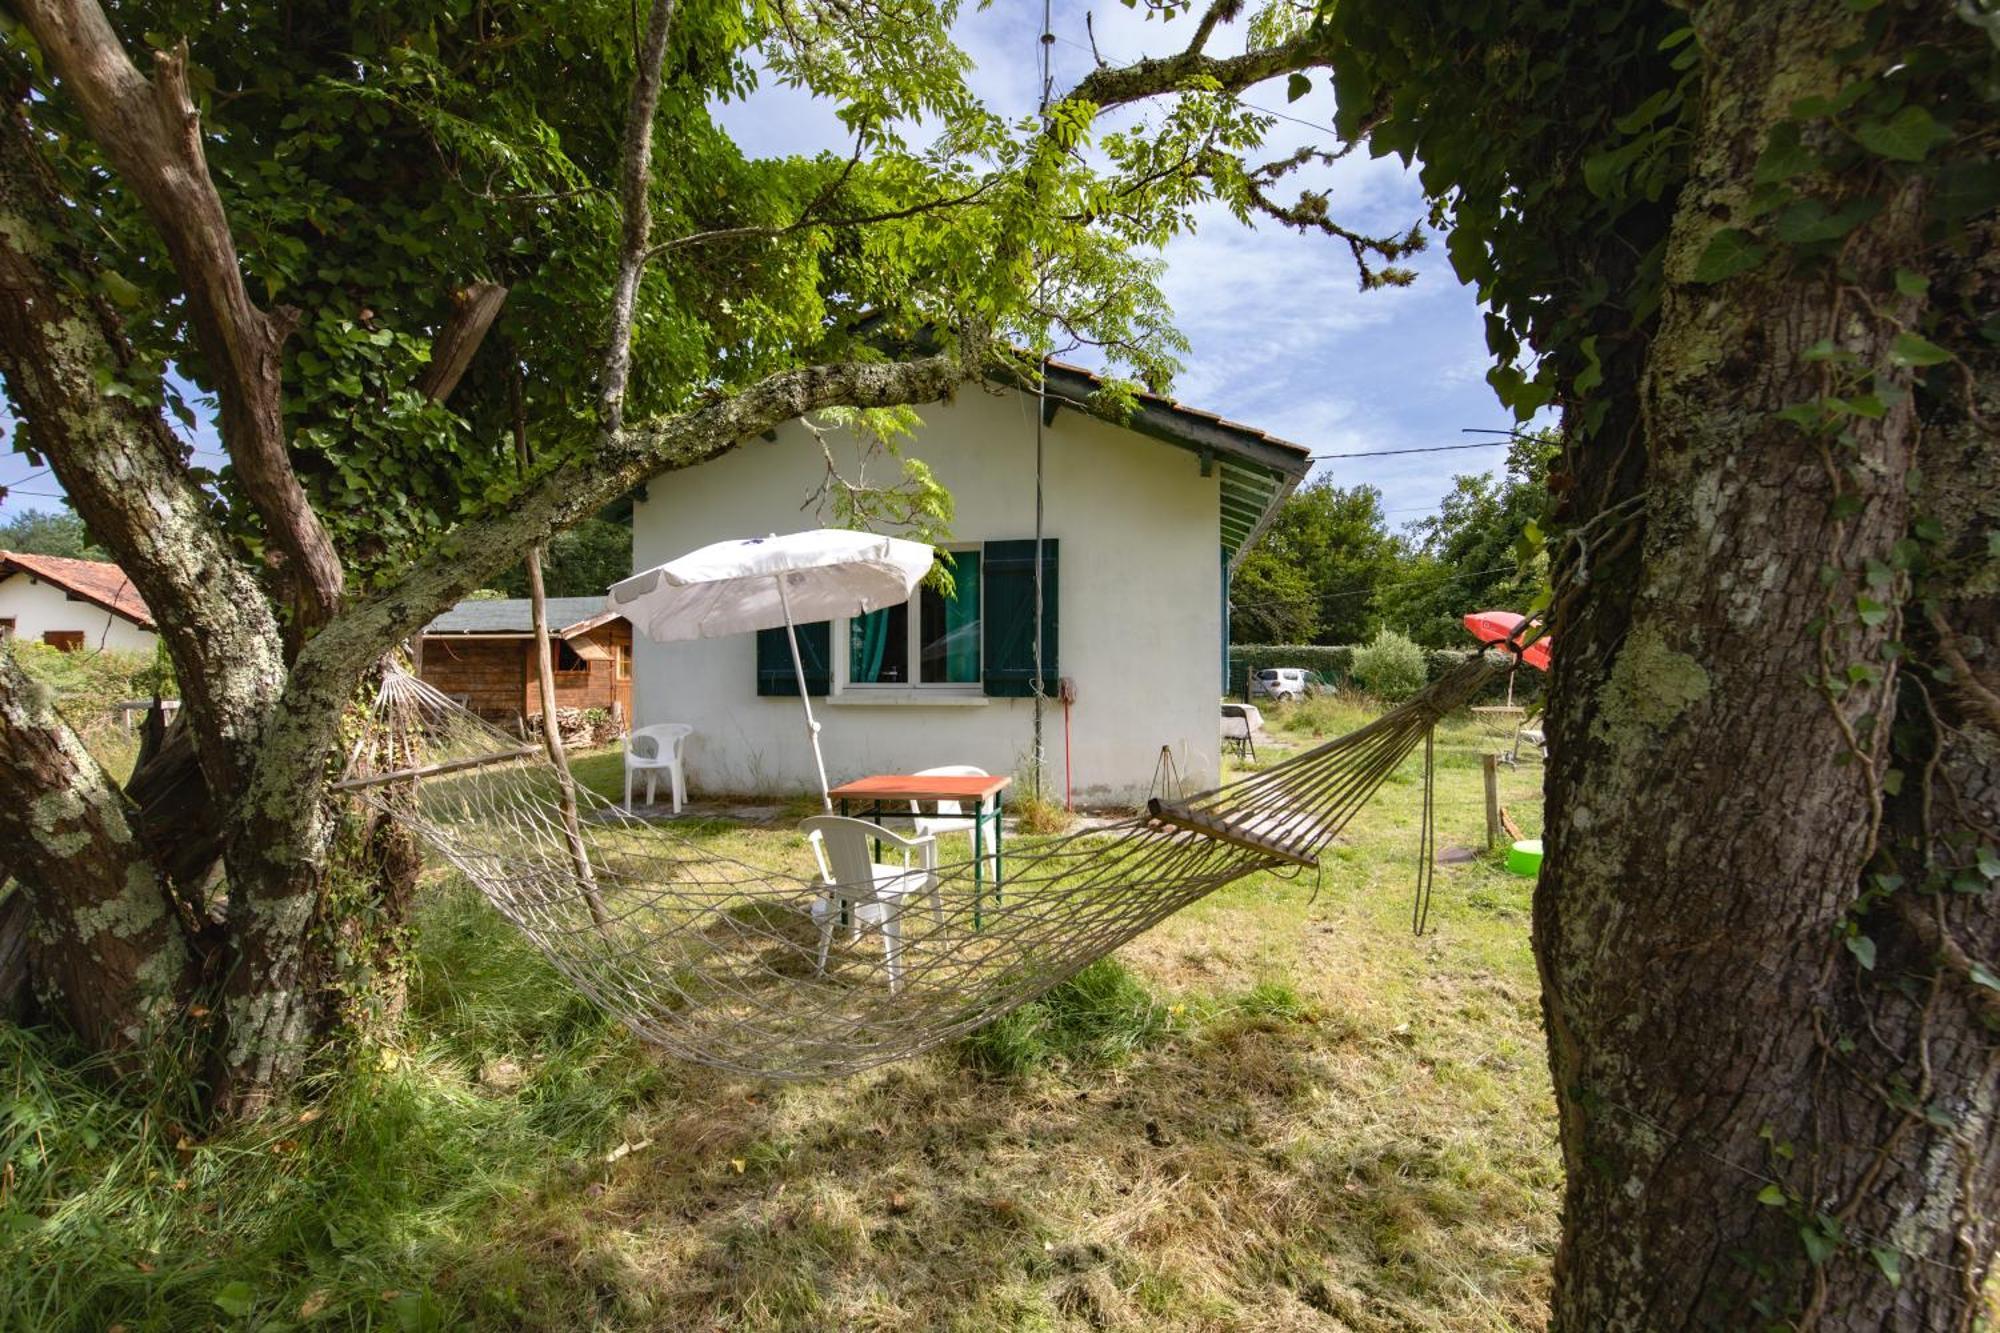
1142 524
72 604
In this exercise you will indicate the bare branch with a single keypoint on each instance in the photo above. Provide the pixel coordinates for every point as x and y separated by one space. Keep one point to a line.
635 179
1221 11
473 310
806 222
151 133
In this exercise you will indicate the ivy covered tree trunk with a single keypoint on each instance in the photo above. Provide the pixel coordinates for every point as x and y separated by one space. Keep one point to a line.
1766 919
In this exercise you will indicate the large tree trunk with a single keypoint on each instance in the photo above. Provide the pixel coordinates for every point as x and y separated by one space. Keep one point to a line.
1775 1067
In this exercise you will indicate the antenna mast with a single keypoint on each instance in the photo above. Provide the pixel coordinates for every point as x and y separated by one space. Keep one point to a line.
1041 411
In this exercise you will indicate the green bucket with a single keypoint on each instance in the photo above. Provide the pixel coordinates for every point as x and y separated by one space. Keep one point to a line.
1525 857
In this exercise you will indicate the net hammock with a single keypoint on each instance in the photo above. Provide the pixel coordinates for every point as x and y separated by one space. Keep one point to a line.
717 960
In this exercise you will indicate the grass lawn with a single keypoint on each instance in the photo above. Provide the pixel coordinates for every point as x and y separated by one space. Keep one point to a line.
1277 1110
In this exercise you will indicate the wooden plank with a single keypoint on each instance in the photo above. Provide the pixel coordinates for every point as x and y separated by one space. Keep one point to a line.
443 766
1211 826
1489 770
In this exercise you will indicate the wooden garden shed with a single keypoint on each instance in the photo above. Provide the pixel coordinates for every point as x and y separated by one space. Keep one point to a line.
483 654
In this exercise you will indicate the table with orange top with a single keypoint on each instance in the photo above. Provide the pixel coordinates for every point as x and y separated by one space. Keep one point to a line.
985 794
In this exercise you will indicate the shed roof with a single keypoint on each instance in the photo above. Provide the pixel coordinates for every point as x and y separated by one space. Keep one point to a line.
514 615
96 581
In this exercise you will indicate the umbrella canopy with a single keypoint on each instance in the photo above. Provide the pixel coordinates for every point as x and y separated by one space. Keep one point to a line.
1496 629
755 583
733 587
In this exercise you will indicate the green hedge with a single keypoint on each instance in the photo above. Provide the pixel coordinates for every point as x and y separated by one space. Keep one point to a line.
88 683
1335 663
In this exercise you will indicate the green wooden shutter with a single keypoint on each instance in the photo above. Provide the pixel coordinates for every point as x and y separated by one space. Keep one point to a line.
774 660
1008 618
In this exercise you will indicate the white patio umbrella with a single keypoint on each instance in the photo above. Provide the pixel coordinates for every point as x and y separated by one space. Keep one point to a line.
755 583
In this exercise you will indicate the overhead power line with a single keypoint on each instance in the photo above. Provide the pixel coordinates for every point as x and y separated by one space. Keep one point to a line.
1427 449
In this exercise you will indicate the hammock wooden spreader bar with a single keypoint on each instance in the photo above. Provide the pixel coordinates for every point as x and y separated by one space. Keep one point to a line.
438 769
1210 826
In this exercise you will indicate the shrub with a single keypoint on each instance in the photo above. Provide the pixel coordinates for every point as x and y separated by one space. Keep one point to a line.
88 683
1392 667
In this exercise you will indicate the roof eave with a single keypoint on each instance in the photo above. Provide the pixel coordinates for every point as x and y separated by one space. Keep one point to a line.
9 568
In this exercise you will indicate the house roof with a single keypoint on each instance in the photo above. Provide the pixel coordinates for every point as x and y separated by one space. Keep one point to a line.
96 581
514 615
1258 469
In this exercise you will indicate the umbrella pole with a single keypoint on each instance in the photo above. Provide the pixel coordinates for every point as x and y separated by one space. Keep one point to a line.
805 700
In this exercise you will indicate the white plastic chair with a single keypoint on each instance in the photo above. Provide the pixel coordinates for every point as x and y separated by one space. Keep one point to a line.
667 739
950 816
871 893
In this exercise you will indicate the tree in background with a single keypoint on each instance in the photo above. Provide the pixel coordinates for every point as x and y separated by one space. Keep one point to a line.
581 562
1468 555
50 532
1313 575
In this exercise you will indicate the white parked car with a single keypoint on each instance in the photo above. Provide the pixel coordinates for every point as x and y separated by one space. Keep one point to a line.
1280 683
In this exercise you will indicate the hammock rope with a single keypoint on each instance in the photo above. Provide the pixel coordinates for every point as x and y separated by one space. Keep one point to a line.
716 960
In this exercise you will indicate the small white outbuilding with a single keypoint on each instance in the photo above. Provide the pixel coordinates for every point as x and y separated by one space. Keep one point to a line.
72 604
1142 524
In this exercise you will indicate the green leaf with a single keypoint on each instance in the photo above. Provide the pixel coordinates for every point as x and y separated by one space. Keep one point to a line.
1729 252
121 289
1989 862
1771 1196
1965 189
1890 1262
236 1299
1907 136
1783 157
1297 86
1592 373
1644 114
1911 284
1910 349
1863 950
1675 38
1809 220
1982 977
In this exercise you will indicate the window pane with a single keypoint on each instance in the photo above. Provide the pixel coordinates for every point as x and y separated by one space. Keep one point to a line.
878 647
950 626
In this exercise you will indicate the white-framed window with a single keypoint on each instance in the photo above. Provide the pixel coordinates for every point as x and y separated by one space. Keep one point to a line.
932 642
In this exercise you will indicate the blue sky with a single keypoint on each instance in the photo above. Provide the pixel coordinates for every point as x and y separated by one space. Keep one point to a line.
1282 339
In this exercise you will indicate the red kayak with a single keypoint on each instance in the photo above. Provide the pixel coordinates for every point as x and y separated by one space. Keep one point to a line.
1496 629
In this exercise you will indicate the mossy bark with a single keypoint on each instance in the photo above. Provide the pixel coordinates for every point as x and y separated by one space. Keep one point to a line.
1778 1079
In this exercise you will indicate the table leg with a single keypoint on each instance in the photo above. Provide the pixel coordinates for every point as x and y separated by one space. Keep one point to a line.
999 818
978 861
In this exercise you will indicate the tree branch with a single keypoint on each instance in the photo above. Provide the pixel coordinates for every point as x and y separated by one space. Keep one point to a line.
584 485
473 310
1110 85
151 133
805 221
635 179
121 467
